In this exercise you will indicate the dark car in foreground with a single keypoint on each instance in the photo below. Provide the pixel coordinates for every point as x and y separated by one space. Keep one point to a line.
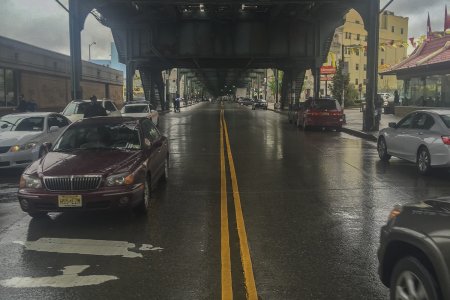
321 112
97 164
414 252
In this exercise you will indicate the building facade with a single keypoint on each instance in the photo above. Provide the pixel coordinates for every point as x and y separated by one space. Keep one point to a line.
44 76
350 45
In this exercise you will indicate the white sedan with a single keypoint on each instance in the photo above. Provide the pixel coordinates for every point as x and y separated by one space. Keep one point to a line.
421 137
74 111
140 109
22 136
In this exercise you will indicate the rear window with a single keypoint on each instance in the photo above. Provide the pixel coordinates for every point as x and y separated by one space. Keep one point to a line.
325 104
446 120
135 109
76 108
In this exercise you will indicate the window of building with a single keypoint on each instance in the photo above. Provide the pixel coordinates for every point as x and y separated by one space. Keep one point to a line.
8 96
382 61
365 38
401 30
365 67
357 67
365 52
381 77
357 22
356 81
393 29
358 37
348 35
365 81
357 52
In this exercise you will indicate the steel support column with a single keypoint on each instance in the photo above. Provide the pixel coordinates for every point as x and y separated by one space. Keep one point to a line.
316 73
373 29
276 85
129 80
286 88
158 82
75 25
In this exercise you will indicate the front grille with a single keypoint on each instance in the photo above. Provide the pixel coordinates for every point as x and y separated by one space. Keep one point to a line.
73 183
4 149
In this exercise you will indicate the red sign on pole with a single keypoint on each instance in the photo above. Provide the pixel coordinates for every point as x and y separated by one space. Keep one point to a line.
327 70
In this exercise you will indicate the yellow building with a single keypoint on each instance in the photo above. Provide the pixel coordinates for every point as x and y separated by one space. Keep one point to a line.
393 48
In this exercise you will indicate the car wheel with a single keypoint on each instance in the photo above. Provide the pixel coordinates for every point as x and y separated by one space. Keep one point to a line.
165 176
382 149
423 161
143 207
38 214
339 128
412 280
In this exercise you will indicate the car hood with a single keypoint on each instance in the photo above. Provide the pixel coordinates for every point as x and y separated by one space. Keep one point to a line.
85 162
10 138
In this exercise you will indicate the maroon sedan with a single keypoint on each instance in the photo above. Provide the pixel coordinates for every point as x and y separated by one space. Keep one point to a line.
97 164
323 112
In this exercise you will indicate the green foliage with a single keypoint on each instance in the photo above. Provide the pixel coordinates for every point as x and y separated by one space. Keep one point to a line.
340 82
272 83
351 95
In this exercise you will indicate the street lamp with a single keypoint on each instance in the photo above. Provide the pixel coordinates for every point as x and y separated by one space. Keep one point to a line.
93 43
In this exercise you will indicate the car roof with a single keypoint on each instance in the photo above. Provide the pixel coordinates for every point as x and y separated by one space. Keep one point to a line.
88 100
31 114
434 111
109 120
137 103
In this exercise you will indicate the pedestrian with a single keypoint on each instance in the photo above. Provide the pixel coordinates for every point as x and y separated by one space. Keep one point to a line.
22 107
177 104
396 98
95 109
32 105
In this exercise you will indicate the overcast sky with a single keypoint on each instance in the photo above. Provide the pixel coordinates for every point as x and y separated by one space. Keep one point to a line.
45 24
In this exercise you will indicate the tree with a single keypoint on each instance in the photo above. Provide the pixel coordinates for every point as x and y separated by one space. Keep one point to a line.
272 84
340 83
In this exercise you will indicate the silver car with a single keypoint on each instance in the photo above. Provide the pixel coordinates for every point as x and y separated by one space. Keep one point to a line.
421 137
22 136
140 109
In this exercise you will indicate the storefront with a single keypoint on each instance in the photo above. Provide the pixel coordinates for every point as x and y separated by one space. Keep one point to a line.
425 75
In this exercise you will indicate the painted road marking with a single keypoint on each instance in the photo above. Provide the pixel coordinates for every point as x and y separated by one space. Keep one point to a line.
243 242
87 247
227 287
69 278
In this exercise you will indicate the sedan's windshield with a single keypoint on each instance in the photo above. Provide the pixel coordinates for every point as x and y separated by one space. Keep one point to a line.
21 123
94 136
135 109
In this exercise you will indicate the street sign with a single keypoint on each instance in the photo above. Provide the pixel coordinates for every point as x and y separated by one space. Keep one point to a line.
327 70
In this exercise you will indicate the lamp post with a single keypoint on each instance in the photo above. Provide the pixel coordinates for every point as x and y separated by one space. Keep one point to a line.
93 43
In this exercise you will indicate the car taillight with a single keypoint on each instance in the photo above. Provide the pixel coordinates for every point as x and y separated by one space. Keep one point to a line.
446 140
335 113
310 113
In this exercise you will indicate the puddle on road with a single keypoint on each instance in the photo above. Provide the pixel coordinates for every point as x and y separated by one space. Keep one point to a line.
69 278
87 247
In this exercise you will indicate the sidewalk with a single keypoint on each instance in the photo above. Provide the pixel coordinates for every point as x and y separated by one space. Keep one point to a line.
354 125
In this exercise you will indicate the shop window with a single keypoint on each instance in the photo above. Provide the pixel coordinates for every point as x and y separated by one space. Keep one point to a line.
7 88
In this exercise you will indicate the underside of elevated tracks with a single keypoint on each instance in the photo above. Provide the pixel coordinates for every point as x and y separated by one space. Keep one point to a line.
221 43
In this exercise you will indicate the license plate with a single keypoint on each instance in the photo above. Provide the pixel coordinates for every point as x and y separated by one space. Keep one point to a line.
70 201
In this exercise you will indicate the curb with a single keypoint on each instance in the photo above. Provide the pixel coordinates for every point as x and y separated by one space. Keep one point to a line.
360 134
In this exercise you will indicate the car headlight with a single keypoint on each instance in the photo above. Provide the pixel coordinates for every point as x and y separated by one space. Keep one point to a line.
120 179
28 181
27 146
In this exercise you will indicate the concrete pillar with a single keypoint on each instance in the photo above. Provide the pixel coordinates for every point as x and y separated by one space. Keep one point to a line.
75 25
373 28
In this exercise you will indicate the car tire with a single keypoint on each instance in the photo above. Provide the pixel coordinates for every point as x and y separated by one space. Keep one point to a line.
410 270
382 149
38 214
144 205
165 175
339 128
423 161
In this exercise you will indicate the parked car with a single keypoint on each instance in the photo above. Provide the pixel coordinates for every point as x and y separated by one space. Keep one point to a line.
414 251
74 111
321 112
247 102
421 137
97 164
140 109
22 136
261 103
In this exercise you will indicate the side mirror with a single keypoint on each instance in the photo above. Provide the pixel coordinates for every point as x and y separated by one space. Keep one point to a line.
53 129
46 146
392 125
108 112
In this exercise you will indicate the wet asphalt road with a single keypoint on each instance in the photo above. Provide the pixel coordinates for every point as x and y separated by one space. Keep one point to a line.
313 204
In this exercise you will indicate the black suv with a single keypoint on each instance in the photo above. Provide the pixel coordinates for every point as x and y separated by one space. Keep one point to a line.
414 253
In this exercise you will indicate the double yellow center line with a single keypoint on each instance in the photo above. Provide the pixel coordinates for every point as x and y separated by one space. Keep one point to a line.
227 286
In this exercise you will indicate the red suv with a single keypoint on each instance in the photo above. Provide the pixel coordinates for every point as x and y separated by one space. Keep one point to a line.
322 112
96 164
